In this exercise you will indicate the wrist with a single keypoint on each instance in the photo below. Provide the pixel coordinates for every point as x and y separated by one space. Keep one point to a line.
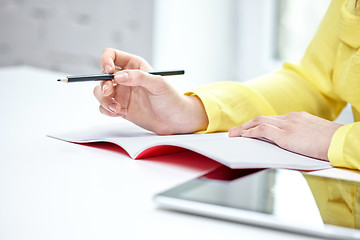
194 115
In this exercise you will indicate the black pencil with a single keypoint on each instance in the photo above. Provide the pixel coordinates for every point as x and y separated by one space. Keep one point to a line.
101 77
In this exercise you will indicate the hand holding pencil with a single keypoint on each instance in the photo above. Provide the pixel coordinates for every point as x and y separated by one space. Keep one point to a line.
146 99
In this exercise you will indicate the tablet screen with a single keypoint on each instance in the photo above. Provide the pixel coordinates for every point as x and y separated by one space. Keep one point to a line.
285 199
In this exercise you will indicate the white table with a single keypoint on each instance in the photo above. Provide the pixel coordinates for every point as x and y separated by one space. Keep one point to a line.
50 189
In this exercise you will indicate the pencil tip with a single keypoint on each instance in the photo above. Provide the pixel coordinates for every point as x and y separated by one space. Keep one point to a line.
63 80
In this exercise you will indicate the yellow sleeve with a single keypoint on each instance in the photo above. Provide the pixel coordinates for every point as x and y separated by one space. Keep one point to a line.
308 86
303 87
229 104
344 149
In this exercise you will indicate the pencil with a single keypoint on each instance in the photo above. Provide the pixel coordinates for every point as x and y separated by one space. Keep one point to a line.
101 77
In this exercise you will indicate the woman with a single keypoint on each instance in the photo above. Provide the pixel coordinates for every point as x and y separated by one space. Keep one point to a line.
293 107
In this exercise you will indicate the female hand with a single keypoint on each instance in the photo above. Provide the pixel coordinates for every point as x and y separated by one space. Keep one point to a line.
144 99
298 132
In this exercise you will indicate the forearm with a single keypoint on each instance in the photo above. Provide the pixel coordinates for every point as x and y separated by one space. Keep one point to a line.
194 117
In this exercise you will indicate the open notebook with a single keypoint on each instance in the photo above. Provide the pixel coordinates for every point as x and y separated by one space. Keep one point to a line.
236 152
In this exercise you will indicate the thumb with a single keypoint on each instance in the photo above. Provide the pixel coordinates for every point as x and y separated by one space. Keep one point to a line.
137 78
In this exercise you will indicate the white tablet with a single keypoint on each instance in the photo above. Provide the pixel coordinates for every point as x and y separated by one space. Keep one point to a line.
280 199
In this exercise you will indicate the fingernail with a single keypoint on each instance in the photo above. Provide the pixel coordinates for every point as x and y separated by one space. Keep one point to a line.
108 69
104 88
113 107
121 76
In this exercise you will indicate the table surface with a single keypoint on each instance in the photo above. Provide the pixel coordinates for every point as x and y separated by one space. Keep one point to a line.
52 189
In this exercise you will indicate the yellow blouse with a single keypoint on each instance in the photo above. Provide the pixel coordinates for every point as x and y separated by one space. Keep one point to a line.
327 77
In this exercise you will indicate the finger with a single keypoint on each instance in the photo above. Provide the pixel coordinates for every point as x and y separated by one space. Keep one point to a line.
109 103
107 60
271 120
267 131
112 57
110 114
236 131
135 78
122 96
107 88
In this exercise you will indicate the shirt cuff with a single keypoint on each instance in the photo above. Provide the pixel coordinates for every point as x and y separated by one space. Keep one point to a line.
343 150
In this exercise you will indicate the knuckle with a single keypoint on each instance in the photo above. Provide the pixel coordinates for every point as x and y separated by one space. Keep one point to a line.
293 115
304 113
140 59
259 119
103 55
296 116
106 50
